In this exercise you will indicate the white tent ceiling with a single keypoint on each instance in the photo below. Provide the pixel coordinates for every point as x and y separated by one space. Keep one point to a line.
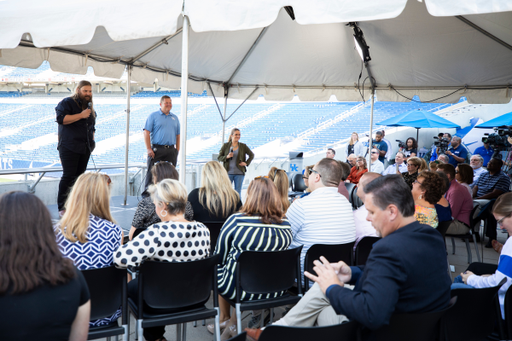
417 48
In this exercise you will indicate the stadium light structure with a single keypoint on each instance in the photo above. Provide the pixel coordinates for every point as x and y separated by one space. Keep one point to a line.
362 48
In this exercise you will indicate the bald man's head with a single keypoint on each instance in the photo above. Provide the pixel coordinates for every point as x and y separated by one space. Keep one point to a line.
365 179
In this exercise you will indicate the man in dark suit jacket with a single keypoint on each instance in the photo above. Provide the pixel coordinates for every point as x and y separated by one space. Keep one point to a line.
406 271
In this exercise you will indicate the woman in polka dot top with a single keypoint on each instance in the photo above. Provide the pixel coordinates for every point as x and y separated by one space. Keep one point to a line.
175 239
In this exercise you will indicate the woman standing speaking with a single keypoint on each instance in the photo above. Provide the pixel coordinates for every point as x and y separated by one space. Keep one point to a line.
233 154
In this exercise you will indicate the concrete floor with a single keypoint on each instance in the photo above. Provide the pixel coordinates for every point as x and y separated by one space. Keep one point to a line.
458 260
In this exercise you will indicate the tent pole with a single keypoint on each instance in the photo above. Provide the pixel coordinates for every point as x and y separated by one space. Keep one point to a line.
418 136
128 95
224 116
184 100
370 140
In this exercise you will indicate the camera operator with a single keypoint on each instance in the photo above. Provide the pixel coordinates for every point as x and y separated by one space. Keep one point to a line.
456 152
485 152
433 151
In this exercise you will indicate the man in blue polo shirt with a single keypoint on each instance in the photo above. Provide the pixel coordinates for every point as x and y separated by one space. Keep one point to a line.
457 153
486 152
162 136
490 186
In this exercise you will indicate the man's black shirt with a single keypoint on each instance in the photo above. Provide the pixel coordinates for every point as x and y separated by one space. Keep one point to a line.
74 136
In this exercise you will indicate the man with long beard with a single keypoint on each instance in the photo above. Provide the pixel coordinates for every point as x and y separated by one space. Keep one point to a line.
76 118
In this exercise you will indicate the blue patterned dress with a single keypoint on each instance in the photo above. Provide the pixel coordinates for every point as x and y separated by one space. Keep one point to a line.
104 238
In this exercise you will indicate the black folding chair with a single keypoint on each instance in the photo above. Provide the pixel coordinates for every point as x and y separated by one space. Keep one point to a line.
356 201
175 293
344 331
505 326
474 315
363 249
263 272
467 237
214 227
350 188
417 327
333 253
108 290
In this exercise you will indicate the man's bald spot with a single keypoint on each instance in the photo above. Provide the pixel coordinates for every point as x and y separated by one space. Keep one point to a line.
368 177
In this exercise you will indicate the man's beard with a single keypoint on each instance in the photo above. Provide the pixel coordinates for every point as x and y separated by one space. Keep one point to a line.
85 98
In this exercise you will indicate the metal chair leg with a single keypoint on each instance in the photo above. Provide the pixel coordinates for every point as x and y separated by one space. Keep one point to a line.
126 334
184 331
470 257
139 333
453 246
238 318
476 250
178 332
195 324
271 315
217 324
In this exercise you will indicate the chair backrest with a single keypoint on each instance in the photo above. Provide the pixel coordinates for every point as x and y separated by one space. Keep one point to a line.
472 220
165 285
298 183
214 227
356 201
443 227
508 314
417 327
262 272
290 179
363 249
350 188
345 331
474 315
107 287
333 253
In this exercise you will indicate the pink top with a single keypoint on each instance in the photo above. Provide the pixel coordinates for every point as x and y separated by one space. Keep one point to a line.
460 201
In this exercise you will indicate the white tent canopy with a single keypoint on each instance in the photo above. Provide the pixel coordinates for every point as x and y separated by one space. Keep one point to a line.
417 48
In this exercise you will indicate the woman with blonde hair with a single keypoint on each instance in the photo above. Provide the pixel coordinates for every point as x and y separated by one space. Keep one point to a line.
355 146
216 199
163 241
88 226
280 179
259 226
233 155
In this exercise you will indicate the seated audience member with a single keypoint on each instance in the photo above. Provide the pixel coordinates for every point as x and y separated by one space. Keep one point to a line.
411 175
427 190
443 209
42 295
216 199
443 158
457 152
259 226
157 243
87 233
490 186
324 216
394 280
398 168
345 171
364 228
485 152
411 148
331 153
424 165
145 214
352 160
433 151
376 165
477 162
357 172
433 165
280 179
305 177
460 201
502 212
464 176
381 146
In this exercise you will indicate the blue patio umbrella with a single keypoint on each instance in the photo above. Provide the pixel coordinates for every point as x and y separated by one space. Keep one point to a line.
503 120
418 119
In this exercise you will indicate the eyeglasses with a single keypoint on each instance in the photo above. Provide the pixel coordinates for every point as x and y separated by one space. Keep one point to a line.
375 152
305 177
417 182
315 171
501 220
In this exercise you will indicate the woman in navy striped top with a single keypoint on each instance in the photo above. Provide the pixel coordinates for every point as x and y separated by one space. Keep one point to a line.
259 226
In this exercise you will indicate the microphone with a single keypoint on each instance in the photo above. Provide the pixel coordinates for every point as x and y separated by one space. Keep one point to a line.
231 150
89 105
